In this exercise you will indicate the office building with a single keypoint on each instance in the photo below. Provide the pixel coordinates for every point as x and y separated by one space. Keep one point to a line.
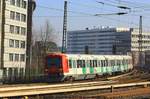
13 37
106 41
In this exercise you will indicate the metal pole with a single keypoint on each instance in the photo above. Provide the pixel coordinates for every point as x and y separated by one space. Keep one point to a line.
64 28
31 7
2 33
140 41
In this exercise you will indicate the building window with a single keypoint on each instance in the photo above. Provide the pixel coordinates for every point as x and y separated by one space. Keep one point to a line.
12 2
18 16
22 44
24 4
23 17
23 30
22 57
12 15
11 57
18 3
17 30
11 29
16 57
16 43
11 43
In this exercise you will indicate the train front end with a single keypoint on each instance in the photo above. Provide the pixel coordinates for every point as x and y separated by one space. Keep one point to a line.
55 67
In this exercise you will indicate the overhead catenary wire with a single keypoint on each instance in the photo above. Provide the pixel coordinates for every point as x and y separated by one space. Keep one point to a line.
133 3
130 9
87 14
117 6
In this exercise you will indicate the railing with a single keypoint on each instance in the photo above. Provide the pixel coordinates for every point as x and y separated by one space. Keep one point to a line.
53 89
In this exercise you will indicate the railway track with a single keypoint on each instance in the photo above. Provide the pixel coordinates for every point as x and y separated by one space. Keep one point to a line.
44 88
122 94
82 81
135 76
49 89
18 91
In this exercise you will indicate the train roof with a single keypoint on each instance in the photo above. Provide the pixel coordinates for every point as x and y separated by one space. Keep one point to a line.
99 56
88 56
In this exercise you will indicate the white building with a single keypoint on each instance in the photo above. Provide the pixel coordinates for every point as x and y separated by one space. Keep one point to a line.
145 40
104 40
13 37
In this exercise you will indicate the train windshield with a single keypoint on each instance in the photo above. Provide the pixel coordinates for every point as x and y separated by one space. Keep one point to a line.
54 61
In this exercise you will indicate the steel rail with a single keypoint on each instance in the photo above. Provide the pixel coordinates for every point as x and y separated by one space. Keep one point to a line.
54 86
51 90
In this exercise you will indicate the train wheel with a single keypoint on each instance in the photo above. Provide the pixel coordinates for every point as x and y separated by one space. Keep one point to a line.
71 79
97 76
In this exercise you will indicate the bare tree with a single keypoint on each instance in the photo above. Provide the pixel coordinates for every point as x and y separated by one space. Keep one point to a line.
42 46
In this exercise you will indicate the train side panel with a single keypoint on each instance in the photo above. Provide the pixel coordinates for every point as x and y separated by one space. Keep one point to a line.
89 66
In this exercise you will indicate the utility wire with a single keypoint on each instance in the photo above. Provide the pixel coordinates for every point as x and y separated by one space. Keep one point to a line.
122 7
134 3
88 14
91 6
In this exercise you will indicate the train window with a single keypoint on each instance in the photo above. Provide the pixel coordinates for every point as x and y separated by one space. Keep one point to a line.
83 63
106 63
98 63
70 63
78 63
91 63
102 63
54 61
111 63
114 63
95 63
119 62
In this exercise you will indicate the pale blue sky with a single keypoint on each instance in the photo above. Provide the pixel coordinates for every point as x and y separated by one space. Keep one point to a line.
53 11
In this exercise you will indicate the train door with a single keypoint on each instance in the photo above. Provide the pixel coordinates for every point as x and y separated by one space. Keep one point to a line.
84 67
91 66
104 66
98 68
